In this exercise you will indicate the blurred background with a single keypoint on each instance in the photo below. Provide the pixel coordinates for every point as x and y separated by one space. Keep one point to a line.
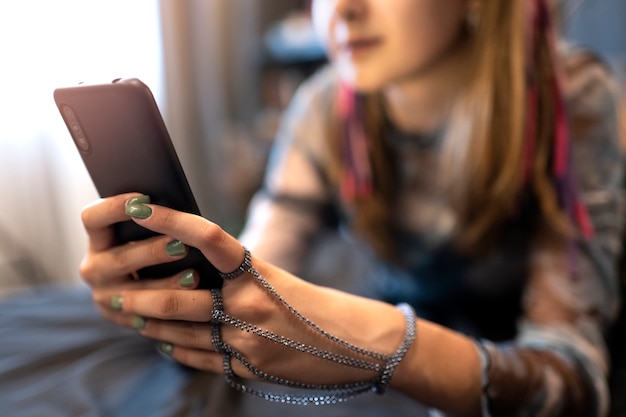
221 71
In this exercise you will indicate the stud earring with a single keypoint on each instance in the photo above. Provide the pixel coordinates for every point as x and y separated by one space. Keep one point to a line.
472 19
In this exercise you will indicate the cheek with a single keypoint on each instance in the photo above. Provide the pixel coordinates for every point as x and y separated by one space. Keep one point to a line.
420 39
415 33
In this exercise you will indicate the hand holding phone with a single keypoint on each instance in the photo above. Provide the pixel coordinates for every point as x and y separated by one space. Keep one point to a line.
125 146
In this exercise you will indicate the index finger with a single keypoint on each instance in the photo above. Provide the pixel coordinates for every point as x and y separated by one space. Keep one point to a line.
100 215
220 248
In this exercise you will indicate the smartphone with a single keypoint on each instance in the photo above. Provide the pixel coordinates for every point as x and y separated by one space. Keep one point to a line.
123 141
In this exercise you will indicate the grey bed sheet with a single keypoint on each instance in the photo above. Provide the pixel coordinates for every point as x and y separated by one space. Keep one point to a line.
59 358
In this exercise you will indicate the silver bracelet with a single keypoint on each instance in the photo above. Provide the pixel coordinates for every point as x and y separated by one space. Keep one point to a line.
394 361
326 394
485 365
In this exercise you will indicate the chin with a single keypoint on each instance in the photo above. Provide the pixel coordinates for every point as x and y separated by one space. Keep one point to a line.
365 76
363 83
367 87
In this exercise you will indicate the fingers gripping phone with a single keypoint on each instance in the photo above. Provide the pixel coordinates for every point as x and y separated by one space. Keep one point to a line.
125 146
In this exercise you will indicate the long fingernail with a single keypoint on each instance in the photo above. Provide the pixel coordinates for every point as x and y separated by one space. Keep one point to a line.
116 302
135 207
187 279
138 322
175 248
166 348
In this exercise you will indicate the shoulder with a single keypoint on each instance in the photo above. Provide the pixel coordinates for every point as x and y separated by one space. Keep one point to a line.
306 121
597 155
592 99
315 94
590 88
301 142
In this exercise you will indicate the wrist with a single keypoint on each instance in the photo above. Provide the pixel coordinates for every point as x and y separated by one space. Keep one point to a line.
394 360
441 370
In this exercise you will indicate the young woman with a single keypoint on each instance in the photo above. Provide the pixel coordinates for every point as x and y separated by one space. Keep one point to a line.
476 163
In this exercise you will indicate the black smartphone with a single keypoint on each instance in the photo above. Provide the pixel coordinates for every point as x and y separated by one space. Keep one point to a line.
123 141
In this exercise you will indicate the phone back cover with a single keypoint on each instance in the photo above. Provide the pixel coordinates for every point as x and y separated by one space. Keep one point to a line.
124 144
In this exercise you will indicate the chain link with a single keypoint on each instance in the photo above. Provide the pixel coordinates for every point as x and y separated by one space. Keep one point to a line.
338 392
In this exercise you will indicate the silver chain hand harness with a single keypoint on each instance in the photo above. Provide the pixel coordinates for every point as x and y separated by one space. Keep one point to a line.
383 364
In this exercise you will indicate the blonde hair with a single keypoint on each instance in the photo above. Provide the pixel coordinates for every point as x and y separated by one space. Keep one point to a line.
484 166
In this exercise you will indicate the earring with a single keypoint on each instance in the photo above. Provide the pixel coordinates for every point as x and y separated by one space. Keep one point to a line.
472 19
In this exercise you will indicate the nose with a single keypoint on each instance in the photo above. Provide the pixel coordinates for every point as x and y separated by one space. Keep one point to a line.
351 10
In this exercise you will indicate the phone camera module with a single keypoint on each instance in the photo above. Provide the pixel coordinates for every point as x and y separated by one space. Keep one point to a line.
83 144
74 126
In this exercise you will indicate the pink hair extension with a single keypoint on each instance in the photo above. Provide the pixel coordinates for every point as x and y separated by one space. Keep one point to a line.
561 163
356 179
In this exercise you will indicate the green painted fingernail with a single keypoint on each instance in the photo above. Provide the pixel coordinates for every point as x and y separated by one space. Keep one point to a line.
187 279
140 199
138 322
135 207
175 248
116 302
166 348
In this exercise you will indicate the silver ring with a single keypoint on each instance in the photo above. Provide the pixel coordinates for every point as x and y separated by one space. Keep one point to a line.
228 369
245 266
216 313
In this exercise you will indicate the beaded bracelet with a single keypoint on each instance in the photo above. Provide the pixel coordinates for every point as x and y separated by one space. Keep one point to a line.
385 365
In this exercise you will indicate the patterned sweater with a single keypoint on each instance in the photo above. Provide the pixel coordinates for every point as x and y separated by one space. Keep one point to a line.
541 321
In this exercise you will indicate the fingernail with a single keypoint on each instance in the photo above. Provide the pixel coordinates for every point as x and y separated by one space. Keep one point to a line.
175 248
138 322
116 302
187 279
135 207
166 348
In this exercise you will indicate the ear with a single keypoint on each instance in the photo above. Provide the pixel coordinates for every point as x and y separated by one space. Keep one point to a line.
473 13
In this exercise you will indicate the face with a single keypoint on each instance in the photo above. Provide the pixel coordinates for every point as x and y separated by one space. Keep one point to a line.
375 43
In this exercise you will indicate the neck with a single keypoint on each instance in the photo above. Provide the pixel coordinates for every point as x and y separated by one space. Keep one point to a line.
420 103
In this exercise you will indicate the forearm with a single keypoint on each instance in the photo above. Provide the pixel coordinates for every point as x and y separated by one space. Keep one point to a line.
442 368
442 371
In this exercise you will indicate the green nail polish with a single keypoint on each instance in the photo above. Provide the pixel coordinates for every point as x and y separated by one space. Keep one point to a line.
166 348
175 248
138 322
116 302
140 199
135 207
187 279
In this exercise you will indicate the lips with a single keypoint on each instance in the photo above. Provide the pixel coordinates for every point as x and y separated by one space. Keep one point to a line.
360 46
